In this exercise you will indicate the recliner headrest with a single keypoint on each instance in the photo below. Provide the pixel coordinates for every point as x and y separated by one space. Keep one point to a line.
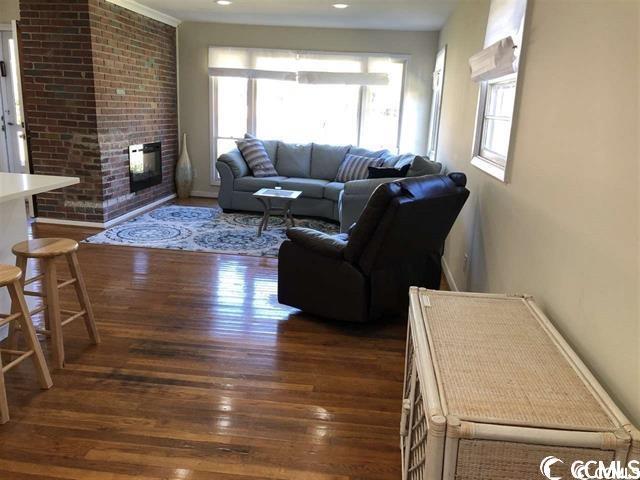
413 189
432 185
459 178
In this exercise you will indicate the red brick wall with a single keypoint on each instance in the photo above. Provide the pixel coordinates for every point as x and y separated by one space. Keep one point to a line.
134 67
97 78
59 103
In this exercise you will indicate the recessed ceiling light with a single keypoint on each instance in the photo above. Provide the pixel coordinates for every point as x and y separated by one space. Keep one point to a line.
224 3
340 5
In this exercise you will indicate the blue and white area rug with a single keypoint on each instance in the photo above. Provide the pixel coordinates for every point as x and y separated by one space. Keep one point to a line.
200 229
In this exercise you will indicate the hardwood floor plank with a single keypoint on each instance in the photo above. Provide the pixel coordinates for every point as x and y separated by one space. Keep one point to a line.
202 374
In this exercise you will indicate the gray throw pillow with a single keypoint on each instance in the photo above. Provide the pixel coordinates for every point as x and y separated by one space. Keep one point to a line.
256 157
423 166
271 146
355 167
398 161
363 152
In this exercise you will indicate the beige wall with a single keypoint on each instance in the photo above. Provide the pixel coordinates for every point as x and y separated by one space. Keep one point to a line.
9 10
566 226
195 38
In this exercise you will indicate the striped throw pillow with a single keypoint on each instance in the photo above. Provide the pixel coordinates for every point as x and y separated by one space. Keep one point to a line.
256 157
356 167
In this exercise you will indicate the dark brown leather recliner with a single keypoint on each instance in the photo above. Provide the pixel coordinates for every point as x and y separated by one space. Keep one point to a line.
365 275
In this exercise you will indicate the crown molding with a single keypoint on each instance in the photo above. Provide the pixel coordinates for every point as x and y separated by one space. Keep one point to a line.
147 11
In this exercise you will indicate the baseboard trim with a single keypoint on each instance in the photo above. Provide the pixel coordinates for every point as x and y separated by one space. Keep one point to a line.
70 223
140 210
449 276
204 194
121 218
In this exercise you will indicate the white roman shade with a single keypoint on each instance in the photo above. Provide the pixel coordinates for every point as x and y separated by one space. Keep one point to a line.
495 61
343 78
316 68
252 73
502 40
250 63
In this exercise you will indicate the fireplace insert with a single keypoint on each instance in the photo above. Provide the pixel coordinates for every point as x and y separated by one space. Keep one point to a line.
145 165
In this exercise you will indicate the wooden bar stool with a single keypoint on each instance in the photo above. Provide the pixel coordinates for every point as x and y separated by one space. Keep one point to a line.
47 250
10 278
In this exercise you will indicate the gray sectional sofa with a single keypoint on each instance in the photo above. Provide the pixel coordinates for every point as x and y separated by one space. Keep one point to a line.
310 168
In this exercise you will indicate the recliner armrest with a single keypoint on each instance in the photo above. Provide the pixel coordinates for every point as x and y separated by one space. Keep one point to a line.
319 242
236 163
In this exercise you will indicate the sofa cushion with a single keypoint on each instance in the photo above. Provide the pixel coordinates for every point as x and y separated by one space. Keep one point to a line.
363 152
325 160
355 167
333 190
253 184
294 160
423 166
310 187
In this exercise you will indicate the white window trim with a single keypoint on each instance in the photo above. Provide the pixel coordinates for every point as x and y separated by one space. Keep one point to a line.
403 89
436 109
214 178
496 167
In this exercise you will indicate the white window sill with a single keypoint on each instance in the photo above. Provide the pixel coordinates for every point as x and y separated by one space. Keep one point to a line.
490 168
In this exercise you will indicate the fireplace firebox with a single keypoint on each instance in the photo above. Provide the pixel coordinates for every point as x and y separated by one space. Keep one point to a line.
145 165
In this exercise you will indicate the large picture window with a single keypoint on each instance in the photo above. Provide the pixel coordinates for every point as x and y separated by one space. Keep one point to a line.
305 97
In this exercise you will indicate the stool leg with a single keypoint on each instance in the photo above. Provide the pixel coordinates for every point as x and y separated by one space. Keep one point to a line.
47 321
12 336
83 297
53 311
15 291
4 405
12 339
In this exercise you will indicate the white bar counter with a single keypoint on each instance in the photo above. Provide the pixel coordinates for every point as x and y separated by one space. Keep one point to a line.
15 188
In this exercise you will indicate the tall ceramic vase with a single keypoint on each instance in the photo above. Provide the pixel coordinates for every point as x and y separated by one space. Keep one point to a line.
184 172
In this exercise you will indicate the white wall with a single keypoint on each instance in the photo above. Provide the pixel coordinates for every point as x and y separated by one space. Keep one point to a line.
9 10
194 39
566 226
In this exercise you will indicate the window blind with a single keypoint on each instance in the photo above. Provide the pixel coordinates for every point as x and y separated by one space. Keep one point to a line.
495 61
303 67
343 78
503 38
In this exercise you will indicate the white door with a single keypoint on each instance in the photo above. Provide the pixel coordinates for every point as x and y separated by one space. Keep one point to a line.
12 132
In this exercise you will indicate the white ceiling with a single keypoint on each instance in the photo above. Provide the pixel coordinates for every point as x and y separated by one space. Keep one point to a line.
377 14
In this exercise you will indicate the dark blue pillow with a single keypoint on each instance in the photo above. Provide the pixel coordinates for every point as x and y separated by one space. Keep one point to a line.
389 172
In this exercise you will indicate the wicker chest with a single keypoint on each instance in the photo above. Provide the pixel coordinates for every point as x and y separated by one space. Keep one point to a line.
491 389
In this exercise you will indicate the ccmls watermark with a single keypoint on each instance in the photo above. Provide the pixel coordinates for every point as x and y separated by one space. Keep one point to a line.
593 469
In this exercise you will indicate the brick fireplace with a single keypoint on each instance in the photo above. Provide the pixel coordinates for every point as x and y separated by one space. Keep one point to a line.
97 78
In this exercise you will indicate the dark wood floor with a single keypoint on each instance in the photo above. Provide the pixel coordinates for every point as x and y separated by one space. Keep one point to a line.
203 375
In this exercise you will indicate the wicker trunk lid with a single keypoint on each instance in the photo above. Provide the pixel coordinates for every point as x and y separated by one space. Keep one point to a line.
496 389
